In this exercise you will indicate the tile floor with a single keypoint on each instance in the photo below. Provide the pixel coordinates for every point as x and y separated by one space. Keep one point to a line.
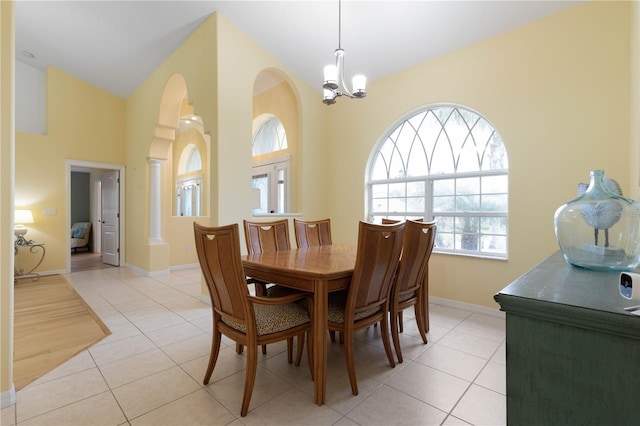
150 370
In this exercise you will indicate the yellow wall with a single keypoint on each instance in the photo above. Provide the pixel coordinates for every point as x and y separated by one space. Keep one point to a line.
556 90
7 69
83 123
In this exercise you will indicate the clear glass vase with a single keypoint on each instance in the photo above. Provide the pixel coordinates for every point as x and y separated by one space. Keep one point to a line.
600 229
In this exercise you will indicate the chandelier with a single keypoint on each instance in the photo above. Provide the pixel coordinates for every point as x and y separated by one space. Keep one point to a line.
333 85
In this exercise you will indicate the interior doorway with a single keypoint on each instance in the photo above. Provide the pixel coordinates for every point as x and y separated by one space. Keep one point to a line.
104 208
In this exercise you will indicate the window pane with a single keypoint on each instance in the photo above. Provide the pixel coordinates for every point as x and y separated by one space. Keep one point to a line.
494 225
444 240
495 184
444 187
444 224
415 204
468 203
494 203
444 204
468 186
269 137
397 205
494 244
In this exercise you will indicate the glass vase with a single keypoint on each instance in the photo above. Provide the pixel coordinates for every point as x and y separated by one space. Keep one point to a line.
600 229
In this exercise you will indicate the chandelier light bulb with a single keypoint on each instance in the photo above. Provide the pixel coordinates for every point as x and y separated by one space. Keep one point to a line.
330 77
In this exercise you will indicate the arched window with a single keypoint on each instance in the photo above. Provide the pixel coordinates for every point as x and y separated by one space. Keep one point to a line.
270 173
445 163
270 137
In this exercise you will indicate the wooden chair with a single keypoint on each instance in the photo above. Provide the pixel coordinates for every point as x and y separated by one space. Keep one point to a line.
262 237
248 320
311 233
367 300
408 287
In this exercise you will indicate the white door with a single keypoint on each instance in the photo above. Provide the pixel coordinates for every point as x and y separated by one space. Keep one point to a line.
110 233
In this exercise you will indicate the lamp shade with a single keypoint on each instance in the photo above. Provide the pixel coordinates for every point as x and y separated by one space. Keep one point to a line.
22 217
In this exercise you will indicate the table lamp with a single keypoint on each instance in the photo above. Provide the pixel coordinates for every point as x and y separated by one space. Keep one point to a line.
22 217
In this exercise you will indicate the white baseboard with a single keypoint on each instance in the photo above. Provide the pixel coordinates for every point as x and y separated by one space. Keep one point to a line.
8 398
467 307
187 266
147 273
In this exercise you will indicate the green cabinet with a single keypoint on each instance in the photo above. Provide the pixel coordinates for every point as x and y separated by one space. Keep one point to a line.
573 352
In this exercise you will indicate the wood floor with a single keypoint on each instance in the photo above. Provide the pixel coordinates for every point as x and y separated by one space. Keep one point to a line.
87 261
51 324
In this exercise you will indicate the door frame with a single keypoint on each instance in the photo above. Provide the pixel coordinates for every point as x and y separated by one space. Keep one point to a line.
92 166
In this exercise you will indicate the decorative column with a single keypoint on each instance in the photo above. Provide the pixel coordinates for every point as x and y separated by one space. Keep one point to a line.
155 201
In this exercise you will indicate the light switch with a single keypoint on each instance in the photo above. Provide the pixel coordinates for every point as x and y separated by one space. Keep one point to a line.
50 212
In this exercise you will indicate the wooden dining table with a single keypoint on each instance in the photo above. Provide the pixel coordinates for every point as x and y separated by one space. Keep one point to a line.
318 270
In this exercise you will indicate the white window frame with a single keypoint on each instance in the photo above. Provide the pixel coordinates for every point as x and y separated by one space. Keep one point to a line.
426 205
276 199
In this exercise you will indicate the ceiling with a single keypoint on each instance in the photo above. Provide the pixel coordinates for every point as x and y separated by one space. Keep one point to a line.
116 45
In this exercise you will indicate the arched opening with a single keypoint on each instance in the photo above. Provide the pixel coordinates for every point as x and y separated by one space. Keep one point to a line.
276 165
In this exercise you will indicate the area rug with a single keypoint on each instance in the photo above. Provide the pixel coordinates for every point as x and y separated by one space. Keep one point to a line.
51 325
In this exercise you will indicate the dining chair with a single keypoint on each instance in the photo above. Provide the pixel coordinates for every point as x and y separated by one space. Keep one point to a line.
248 320
262 237
367 300
312 233
408 288
386 221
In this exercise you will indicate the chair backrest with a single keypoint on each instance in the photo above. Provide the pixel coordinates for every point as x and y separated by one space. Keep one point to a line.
311 233
377 257
218 251
386 221
416 251
264 237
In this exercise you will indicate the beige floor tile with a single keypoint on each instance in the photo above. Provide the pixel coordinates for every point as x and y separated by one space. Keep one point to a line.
469 343
484 326
147 394
228 363
135 367
452 361
110 352
8 417
195 409
481 406
291 408
446 317
98 410
33 401
493 377
454 421
176 333
156 322
229 391
189 349
429 385
388 406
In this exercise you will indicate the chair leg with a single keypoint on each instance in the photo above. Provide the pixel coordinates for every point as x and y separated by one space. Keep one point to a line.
249 378
395 334
290 350
213 357
348 356
401 321
332 335
239 348
264 349
384 331
300 349
420 315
